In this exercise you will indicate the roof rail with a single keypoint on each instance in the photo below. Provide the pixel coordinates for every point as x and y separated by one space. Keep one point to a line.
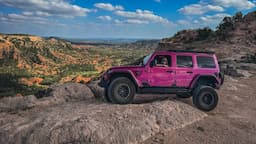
190 51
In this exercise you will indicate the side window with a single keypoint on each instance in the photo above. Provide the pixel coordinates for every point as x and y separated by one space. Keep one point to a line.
205 62
162 61
184 61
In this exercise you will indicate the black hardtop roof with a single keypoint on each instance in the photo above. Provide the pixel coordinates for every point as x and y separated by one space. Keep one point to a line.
191 51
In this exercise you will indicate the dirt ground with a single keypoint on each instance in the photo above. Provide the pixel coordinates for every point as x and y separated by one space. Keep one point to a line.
233 121
152 119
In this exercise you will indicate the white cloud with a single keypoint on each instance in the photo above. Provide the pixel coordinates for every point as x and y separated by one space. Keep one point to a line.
143 15
25 19
36 13
27 13
158 1
108 6
48 7
117 21
198 9
213 19
195 21
183 22
107 18
239 4
202 21
17 18
136 21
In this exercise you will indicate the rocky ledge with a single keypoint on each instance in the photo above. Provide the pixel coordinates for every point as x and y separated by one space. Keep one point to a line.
71 114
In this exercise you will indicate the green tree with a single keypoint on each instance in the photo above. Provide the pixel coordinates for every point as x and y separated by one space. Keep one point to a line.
237 17
224 27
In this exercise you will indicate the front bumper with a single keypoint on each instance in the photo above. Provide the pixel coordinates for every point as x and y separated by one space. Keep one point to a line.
103 83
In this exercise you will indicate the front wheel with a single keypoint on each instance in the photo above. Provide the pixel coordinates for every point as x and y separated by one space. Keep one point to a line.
205 98
121 91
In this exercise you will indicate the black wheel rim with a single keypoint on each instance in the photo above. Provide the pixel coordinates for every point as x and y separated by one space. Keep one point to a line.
208 99
123 90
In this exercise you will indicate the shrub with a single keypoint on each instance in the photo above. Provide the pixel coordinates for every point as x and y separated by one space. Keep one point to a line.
204 33
50 80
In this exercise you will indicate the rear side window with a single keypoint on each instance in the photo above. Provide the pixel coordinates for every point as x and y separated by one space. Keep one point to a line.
205 62
184 61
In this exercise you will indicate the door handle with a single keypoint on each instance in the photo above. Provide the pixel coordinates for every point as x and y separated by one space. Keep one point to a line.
190 72
169 71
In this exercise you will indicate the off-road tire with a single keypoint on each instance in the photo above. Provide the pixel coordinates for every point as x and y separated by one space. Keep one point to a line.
205 98
121 91
183 95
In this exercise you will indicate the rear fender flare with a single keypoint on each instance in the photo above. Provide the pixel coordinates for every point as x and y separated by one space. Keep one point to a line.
196 79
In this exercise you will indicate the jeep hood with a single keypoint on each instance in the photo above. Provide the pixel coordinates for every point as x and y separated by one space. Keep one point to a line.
125 67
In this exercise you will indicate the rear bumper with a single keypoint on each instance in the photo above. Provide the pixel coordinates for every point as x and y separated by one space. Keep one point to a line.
221 78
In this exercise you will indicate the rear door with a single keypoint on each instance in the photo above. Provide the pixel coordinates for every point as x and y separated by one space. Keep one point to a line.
184 70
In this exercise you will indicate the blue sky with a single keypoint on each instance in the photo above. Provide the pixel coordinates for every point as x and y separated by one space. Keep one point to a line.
114 18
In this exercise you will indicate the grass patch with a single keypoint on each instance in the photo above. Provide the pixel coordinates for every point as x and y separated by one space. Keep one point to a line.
73 69
49 80
90 73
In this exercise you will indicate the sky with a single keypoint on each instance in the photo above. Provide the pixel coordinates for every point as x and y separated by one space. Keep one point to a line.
147 19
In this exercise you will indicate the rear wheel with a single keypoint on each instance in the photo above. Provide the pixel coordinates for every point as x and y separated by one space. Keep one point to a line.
121 91
205 98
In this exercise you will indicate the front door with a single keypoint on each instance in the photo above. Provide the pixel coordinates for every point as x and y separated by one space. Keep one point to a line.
161 73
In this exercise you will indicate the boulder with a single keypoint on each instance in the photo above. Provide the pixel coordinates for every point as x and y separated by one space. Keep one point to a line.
96 122
248 66
69 92
55 94
17 103
96 89
230 68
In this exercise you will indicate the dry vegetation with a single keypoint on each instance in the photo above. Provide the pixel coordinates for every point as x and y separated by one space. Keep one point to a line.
32 63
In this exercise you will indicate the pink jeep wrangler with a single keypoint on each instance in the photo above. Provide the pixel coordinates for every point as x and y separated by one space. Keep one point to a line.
184 73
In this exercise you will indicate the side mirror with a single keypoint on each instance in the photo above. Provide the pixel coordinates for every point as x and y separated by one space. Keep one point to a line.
152 64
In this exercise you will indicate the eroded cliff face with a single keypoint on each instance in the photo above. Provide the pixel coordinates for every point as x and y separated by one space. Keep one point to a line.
35 54
31 63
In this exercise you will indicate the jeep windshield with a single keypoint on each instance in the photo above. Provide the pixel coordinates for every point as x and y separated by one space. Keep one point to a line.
145 60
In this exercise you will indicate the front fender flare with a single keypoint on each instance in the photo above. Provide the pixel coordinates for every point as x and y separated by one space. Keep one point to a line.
126 73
